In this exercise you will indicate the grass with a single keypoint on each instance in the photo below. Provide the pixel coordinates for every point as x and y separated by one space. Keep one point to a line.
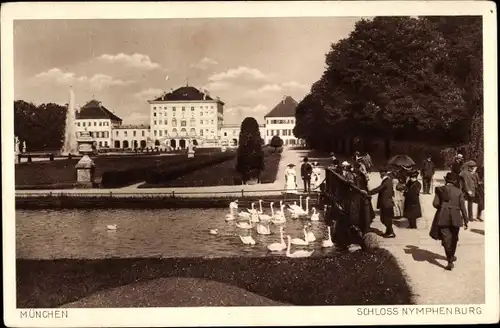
62 173
222 174
356 278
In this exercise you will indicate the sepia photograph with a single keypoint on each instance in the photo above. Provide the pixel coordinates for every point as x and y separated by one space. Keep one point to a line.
235 158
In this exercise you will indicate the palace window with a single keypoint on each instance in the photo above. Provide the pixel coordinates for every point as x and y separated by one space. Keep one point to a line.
166 133
174 122
201 132
134 133
77 123
154 122
117 132
192 109
201 113
154 114
100 123
125 133
192 122
155 132
183 123
201 121
166 122
143 133
95 123
160 133
183 109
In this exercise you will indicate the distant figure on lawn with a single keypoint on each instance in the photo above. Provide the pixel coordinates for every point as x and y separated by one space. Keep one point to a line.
290 179
306 172
385 202
427 171
450 216
412 208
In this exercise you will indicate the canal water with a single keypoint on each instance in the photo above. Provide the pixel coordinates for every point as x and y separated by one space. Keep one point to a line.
83 234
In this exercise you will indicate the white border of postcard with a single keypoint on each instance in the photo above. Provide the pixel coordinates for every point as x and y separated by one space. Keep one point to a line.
243 316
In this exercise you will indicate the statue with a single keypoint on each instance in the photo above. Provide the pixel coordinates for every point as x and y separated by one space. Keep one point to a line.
24 146
85 143
16 145
190 149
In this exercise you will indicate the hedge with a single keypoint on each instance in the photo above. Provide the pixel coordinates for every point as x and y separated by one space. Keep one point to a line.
196 163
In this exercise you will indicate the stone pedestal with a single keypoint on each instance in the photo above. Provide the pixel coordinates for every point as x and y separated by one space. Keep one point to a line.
190 153
85 169
223 149
16 156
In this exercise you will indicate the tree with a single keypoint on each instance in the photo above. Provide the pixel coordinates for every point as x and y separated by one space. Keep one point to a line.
250 156
276 142
42 127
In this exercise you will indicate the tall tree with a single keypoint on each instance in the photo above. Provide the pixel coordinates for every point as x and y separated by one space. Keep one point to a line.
250 156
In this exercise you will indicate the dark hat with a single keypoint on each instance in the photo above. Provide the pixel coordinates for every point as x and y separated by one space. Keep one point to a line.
384 169
414 174
451 177
306 159
291 165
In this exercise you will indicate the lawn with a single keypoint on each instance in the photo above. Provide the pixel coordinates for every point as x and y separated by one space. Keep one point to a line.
221 174
356 278
62 173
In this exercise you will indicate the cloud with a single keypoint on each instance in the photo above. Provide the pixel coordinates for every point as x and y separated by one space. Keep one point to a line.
135 60
148 94
137 118
295 85
97 81
236 114
205 63
241 73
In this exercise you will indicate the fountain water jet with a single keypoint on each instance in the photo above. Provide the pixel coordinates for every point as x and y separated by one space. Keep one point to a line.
70 145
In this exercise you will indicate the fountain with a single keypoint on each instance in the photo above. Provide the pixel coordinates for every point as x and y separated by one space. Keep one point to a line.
70 146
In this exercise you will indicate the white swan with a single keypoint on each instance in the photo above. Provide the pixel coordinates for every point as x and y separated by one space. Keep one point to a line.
310 237
278 247
244 215
254 217
294 208
265 217
300 253
245 225
230 217
233 205
263 229
111 227
299 241
328 242
260 207
315 215
247 240
307 205
279 217
252 210
214 231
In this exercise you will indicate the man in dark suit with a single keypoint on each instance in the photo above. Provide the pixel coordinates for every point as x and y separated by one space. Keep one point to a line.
385 202
427 172
306 172
450 216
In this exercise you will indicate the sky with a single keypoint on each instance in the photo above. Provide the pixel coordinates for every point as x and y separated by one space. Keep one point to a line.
250 63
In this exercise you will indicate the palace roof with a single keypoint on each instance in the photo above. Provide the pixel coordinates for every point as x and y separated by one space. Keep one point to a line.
285 108
187 93
95 110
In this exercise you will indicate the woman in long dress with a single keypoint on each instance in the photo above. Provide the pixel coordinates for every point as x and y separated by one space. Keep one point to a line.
315 177
411 208
290 180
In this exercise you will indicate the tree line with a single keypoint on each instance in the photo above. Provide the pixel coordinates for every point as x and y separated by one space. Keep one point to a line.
41 127
399 78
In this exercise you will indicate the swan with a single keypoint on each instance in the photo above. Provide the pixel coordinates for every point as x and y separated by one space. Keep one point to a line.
300 253
302 242
277 247
310 235
307 205
245 225
279 217
252 210
230 217
315 215
254 217
265 217
233 205
294 208
244 215
214 231
111 227
260 207
263 229
328 242
247 240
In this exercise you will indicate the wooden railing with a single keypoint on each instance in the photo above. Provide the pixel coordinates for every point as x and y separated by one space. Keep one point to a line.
346 202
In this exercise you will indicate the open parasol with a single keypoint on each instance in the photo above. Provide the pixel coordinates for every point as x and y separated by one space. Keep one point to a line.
401 161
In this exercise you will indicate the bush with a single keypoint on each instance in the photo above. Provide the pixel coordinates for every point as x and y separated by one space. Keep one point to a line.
276 142
250 158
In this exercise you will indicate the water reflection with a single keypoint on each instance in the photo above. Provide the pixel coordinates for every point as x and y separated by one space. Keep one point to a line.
145 233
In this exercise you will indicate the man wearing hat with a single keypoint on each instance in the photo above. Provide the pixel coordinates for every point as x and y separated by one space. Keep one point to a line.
450 216
427 171
305 172
412 208
470 181
385 202
456 167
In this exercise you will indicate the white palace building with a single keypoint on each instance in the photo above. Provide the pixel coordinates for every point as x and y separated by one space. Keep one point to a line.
177 118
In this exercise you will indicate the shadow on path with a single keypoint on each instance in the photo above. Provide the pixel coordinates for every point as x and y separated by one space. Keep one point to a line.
423 255
377 231
479 231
